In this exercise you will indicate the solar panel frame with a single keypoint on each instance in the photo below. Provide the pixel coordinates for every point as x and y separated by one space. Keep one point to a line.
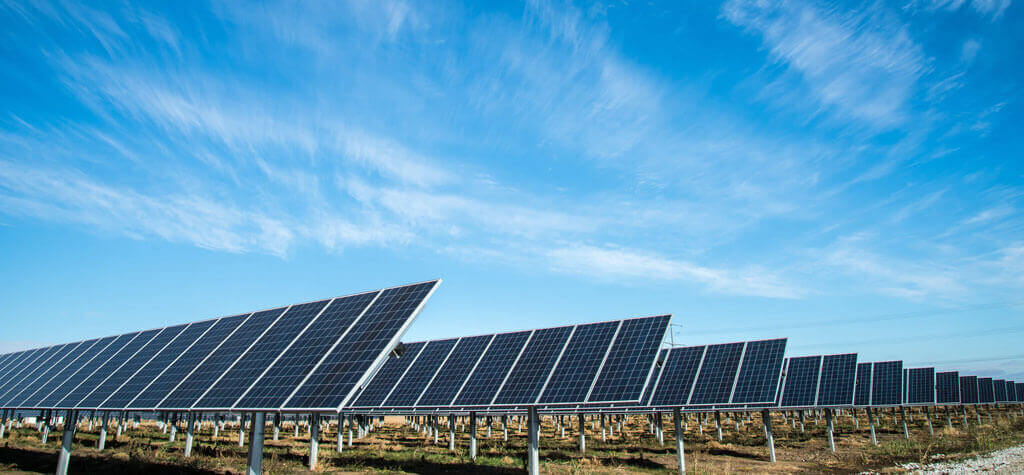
887 383
837 381
455 371
999 390
760 369
408 389
527 378
862 390
947 387
800 384
620 374
986 391
968 390
920 384
717 376
1020 391
387 377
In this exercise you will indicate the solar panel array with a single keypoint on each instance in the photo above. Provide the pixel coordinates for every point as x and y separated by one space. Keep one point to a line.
728 374
305 356
819 381
605 362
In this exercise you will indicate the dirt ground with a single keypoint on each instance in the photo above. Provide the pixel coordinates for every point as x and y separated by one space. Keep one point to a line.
396 448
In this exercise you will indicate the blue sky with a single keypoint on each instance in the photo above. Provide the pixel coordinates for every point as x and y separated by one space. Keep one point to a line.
847 175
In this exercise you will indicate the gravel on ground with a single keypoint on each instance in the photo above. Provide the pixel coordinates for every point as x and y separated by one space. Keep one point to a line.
1006 461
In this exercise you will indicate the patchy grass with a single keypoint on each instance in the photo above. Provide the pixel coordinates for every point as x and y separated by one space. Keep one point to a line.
395 448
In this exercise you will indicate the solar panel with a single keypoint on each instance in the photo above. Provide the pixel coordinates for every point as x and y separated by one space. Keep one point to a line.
1011 392
69 378
380 386
92 373
758 379
31 370
527 378
134 361
652 382
178 370
837 381
18 365
999 388
55 376
155 366
40 375
288 372
490 372
449 379
801 383
365 346
677 375
887 383
257 358
629 362
968 390
862 392
986 392
575 373
947 387
1020 391
921 386
422 371
717 374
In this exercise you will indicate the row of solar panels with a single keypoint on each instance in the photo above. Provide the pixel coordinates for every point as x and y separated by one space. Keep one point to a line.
606 362
306 356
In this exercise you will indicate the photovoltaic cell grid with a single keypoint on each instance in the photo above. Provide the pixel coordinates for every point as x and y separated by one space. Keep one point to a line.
217 363
1011 392
390 372
968 390
714 374
921 386
1020 391
999 388
887 383
947 387
986 392
838 378
422 371
560 365
862 393
801 382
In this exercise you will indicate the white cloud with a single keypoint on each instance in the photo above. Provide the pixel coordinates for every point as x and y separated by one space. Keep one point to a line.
969 50
863 66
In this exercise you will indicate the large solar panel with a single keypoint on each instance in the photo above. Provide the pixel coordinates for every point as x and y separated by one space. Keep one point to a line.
580 363
968 390
377 390
1011 392
453 374
947 387
677 375
324 346
986 392
717 374
838 378
630 359
887 383
801 384
758 379
362 348
524 383
999 389
1020 391
421 373
920 386
862 393
490 372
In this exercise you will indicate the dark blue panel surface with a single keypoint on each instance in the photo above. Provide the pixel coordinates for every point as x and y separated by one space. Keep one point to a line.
57 375
483 383
151 370
999 388
453 374
947 387
986 393
15 364
625 370
16 391
95 382
968 390
257 359
193 387
838 378
574 375
801 383
179 370
31 369
384 381
75 388
1020 391
369 340
862 393
717 374
288 372
758 380
531 372
677 374
69 377
1011 392
887 383
131 366
422 371
652 382
921 386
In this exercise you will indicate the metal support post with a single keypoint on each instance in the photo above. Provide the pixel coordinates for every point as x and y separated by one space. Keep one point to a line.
504 427
928 418
65 449
533 449
766 418
871 422
254 463
583 433
718 424
190 434
680 454
801 413
451 432
903 418
831 439
659 427
103 433
314 440
277 425
472 436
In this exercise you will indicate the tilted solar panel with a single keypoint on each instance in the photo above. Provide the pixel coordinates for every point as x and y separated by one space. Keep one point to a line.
421 373
999 390
1020 391
134 359
526 379
106 363
377 390
968 390
921 386
862 392
453 373
1011 391
717 374
629 361
758 379
677 375
576 370
947 387
986 391
887 383
492 368
40 376
652 382
838 378
801 383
